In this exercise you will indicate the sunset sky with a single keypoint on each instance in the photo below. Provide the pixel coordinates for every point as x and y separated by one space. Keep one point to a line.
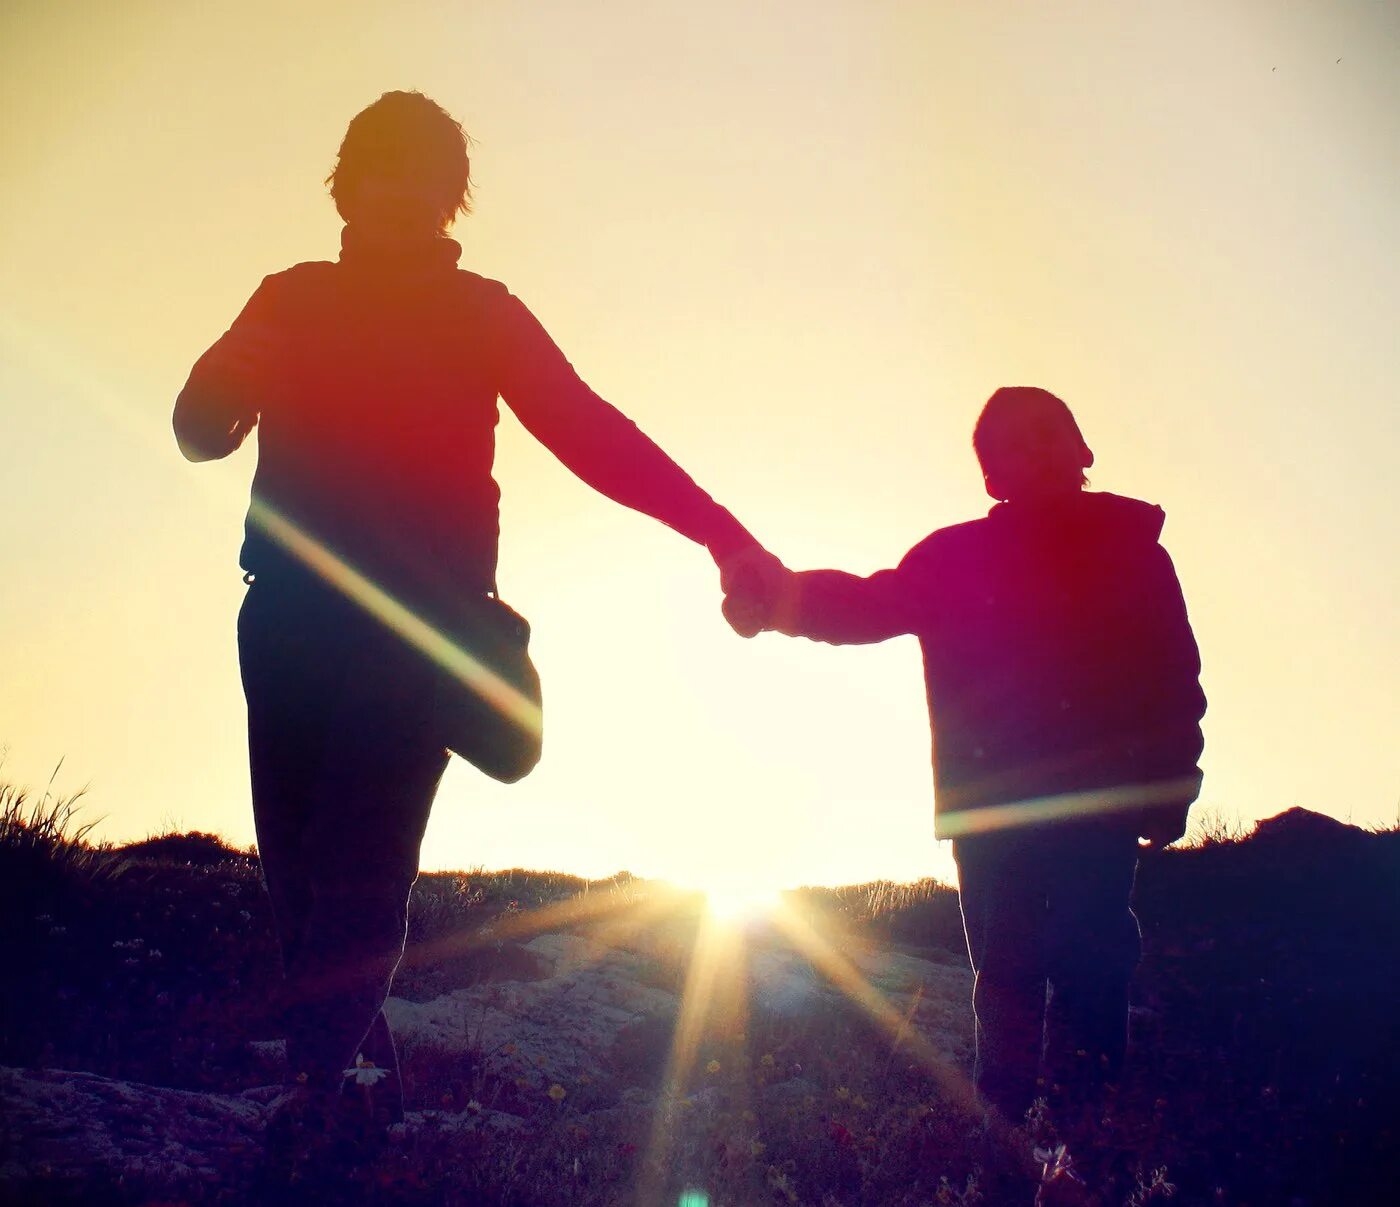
799 243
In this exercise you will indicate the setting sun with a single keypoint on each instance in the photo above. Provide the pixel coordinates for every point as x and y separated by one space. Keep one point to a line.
739 899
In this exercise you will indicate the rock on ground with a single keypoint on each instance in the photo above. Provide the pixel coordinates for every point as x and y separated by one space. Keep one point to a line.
63 1131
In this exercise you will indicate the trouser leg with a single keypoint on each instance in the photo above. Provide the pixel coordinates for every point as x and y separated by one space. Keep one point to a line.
286 739
344 774
361 846
1093 947
1003 908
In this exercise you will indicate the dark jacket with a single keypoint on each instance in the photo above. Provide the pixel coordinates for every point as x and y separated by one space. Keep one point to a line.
1062 674
377 423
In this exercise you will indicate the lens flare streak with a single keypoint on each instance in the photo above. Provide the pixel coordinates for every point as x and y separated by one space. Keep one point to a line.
842 973
716 947
1063 806
392 613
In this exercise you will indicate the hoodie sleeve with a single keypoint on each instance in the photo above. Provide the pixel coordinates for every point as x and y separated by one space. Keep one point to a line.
846 609
596 442
215 411
1171 704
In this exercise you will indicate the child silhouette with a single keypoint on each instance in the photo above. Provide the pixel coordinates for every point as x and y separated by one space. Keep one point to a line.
1064 699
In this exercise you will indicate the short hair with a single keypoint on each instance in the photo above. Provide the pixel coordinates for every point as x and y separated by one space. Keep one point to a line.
1011 405
406 132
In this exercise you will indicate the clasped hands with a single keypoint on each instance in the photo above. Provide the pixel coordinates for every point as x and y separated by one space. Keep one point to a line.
758 589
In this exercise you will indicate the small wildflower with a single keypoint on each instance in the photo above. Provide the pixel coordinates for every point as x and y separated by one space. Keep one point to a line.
757 1148
860 1103
767 1062
474 1107
843 1093
366 1072
301 1079
713 1067
557 1092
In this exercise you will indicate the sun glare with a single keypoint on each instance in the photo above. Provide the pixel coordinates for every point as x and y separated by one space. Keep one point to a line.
739 900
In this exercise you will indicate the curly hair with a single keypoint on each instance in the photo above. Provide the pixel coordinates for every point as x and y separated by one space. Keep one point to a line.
406 133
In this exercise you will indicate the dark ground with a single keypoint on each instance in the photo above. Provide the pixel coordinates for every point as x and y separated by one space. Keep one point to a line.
1266 1022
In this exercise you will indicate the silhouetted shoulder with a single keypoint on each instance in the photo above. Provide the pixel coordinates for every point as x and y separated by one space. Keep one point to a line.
308 272
485 286
486 301
946 546
288 285
1133 518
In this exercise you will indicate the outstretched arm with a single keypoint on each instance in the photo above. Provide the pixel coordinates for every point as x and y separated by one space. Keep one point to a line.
604 448
219 404
826 605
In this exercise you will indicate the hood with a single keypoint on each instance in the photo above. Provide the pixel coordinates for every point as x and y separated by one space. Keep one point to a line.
1116 517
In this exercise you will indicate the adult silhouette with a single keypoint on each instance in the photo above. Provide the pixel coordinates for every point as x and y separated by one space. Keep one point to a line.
374 382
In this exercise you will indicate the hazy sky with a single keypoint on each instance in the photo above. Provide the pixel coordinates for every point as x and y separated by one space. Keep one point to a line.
799 243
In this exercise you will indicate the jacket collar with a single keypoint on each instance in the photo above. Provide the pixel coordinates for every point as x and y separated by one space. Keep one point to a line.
396 255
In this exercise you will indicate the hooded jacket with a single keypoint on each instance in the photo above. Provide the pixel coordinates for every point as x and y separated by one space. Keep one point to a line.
1061 670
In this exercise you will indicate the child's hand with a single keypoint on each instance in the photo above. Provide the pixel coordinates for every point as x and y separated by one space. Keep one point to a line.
752 583
1161 827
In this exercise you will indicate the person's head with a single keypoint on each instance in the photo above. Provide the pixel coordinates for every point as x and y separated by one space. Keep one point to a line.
403 166
1029 445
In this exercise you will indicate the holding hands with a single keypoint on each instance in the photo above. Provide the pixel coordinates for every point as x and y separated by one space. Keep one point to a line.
756 587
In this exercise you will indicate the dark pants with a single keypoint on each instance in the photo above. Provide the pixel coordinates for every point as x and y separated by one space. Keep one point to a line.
1053 944
344 770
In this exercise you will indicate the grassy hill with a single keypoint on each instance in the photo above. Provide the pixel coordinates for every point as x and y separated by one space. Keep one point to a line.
1266 1044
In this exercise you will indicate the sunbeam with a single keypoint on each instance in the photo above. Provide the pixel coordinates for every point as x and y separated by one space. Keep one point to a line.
705 999
960 823
852 982
392 613
607 908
